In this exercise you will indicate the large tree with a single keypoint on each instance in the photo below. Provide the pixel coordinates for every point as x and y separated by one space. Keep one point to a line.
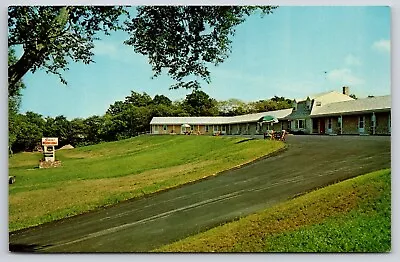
183 40
198 103
14 101
51 35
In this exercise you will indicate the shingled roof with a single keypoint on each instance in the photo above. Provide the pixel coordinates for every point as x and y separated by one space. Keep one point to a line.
372 104
217 120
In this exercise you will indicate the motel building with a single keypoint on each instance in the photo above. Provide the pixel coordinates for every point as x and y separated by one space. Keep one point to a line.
329 113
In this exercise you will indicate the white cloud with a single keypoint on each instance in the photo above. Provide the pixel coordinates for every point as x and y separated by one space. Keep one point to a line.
352 60
105 48
382 45
344 76
118 52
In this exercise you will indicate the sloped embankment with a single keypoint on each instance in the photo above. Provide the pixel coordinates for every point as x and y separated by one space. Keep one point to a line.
351 216
96 176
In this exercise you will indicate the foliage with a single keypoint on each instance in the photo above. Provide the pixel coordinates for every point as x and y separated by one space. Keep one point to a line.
162 100
350 216
181 39
275 103
14 101
58 127
28 131
52 35
184 40
353 96
138 100
124 119
107 173
233 107
198 103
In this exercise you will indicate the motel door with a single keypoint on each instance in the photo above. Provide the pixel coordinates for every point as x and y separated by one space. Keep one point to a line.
361 124
322 125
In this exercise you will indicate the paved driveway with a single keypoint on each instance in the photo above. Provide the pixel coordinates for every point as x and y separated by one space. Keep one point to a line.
147 223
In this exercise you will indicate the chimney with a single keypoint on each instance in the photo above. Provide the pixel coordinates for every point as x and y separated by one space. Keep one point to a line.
346 90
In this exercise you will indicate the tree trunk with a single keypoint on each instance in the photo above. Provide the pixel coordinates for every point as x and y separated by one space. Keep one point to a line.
18 70
36 53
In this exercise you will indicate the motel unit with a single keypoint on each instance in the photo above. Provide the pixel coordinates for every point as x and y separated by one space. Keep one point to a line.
249 124
369 116
330 113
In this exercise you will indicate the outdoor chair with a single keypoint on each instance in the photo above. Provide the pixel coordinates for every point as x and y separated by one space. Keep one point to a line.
283 136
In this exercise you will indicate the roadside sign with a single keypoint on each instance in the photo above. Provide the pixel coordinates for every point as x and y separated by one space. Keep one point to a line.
49 141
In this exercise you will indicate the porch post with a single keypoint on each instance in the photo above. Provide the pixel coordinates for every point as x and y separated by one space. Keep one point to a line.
374 123
341 124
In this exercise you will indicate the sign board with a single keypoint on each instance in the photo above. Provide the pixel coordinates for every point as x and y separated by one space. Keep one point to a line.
49 141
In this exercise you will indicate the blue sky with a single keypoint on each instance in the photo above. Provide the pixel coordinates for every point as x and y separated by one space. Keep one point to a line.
284 54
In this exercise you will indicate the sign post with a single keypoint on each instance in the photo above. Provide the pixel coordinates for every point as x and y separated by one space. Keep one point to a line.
49 152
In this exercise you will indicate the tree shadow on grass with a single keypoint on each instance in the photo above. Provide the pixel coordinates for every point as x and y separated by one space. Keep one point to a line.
244 140
25 248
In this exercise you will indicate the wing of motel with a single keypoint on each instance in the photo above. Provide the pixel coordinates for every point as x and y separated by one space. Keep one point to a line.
332 113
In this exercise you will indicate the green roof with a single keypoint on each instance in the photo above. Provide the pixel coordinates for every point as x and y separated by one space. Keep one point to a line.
268 118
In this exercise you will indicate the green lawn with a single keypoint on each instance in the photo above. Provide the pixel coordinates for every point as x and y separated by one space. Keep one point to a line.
105 174
351 216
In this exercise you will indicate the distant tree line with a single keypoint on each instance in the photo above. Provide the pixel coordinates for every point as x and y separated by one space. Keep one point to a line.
124 119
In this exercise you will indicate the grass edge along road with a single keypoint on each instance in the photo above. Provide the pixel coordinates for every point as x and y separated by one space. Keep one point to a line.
101 175
350 216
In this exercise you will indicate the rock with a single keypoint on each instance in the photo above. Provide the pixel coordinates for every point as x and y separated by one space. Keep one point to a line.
66 147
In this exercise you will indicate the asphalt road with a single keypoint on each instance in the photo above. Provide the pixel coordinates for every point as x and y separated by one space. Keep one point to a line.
147 223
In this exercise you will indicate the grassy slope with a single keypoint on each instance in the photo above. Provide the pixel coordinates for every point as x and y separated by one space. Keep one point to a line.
351 216
105 174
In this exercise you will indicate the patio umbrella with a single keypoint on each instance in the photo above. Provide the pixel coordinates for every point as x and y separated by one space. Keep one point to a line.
268 119
186 125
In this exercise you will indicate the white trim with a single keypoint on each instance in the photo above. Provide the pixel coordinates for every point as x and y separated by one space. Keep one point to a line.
298 123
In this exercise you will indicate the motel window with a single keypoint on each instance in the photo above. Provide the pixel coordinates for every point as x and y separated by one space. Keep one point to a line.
301 123
165 127
207 128
223 128
329 123
215 128
361 122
